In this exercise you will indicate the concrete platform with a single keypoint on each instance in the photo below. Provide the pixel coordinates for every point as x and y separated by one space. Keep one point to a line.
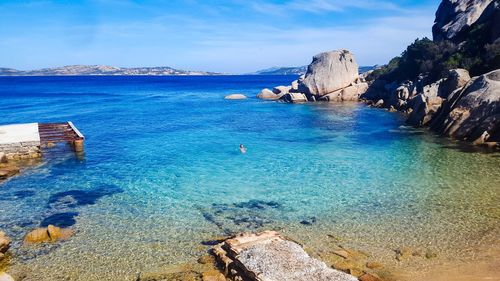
19 133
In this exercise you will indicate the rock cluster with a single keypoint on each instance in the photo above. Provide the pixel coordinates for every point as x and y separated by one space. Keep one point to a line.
332 76
473 112
456 106
268 256
50 233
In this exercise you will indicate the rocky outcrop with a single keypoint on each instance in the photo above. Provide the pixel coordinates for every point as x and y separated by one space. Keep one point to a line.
47 234
332 76
455 17
235 97
267 256
329 72
473 113
456 106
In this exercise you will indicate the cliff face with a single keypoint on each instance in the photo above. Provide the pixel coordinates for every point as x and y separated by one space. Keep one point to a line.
455 18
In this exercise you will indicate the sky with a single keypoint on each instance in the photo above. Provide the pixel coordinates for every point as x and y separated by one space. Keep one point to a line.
230 36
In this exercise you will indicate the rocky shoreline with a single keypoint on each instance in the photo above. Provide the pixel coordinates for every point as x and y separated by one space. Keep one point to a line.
457 106
453 105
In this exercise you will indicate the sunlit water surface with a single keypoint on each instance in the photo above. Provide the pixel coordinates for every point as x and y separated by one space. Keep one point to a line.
162 173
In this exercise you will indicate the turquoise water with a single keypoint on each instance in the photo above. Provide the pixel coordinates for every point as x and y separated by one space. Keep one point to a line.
162 175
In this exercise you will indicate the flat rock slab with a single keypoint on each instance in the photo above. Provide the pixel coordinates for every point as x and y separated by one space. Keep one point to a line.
267 256
19 133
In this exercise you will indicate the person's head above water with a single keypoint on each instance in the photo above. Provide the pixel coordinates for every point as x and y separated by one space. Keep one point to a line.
242 148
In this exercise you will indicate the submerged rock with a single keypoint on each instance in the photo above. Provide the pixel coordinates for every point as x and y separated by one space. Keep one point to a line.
268 256
8 170
403 253
47 234
4 244
369 277
329 72
235 97
213 275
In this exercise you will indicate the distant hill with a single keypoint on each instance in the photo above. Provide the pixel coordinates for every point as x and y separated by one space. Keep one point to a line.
298 70
292 70
73 70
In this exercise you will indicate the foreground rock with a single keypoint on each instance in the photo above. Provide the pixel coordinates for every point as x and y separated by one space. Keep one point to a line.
267 257
235 97
4 244
47 234
329 72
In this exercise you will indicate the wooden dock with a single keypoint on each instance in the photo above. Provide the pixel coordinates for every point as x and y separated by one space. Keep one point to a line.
61 132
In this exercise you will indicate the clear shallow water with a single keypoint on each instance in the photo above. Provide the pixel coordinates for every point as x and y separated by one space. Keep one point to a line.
162 173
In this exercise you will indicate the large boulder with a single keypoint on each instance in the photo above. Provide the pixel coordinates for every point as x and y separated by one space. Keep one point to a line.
455 17
329 72
473 113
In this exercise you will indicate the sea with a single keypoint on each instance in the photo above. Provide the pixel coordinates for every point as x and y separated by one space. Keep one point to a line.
162 177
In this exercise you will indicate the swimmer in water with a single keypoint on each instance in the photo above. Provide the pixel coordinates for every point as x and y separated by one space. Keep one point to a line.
243 149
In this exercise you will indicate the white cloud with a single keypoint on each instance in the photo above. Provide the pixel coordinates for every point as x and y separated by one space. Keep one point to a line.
322 6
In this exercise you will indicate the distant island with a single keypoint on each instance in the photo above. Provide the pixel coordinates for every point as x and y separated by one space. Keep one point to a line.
298 70
97 70
74 70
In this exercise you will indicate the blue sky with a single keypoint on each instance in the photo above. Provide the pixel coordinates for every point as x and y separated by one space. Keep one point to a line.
233 36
